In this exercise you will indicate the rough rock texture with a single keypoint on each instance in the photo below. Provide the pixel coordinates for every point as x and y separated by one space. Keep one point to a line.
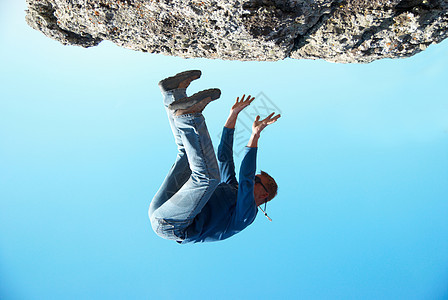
353 31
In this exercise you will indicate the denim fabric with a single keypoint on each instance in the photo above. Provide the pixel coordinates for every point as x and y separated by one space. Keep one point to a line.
191 180
232 206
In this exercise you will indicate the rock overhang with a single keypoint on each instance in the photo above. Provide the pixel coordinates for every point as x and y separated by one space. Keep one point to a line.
355 31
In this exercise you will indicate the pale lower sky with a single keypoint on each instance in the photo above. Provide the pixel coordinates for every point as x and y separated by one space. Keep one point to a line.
360 155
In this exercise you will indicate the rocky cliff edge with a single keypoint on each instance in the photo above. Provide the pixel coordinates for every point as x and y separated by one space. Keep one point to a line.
261 30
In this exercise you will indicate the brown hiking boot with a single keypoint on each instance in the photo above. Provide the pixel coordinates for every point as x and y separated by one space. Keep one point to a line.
195 103
171 83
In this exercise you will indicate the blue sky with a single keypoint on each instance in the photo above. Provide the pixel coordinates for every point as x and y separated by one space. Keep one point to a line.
360 156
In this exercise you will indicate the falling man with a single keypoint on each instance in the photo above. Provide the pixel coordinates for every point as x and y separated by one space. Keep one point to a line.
200 199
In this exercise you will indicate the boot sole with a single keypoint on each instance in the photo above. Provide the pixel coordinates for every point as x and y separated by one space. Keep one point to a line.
188 102
173 82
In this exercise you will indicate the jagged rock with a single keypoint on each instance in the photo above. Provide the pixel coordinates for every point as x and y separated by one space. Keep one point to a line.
354 31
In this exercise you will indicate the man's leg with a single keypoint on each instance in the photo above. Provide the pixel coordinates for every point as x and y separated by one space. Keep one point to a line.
172 218
174 88
180 171
168 98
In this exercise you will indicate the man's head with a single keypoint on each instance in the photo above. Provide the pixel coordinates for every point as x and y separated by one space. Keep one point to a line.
265 188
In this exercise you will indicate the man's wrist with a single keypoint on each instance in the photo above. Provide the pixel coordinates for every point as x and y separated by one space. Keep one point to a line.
231 121
233 114
253 141
255 135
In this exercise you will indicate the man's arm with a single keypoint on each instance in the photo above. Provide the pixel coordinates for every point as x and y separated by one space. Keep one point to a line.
225 148
225 157
245 201
246 209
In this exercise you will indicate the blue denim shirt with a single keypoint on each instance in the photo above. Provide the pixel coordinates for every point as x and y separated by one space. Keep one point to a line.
231 208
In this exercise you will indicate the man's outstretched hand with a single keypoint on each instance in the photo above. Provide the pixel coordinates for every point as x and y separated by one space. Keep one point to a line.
241 104
236 109
258 126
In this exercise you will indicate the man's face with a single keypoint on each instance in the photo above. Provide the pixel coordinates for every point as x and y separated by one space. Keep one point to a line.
260 191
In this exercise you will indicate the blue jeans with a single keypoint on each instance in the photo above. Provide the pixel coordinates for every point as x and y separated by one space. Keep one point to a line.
191 180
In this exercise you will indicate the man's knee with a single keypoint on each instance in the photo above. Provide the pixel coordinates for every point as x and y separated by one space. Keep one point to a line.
170 230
